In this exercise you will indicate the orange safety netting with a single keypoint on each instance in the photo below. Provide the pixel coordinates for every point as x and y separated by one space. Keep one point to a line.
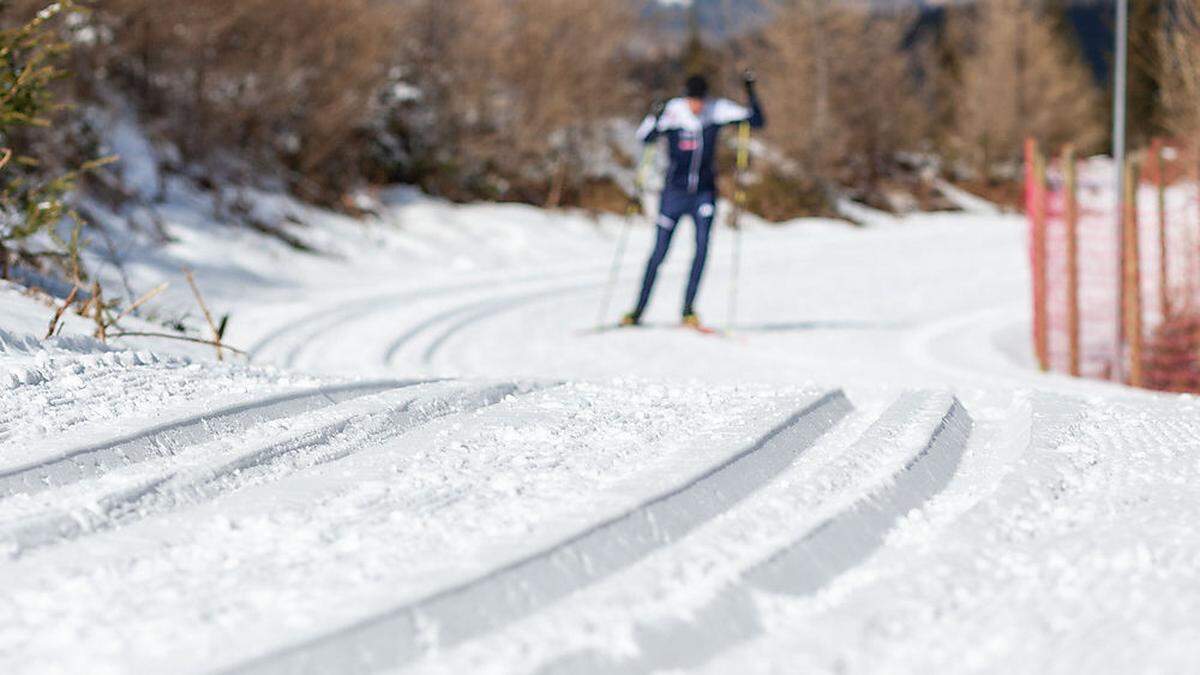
1115 297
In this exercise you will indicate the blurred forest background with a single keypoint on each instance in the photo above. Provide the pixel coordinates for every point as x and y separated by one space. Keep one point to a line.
535 100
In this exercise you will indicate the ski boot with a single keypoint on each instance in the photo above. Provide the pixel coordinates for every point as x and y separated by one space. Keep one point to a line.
631 319
692 320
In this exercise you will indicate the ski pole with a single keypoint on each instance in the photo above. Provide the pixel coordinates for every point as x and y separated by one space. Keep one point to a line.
739 202
631 211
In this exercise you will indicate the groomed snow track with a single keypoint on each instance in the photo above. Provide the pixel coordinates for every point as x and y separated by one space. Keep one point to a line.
490 601
289 342
856 499
328 424
849 476
872 469
459 317
74 464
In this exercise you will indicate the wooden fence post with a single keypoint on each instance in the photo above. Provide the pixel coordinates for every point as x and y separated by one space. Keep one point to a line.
1035 204
1160 184
1132 278
1191 236
1071 212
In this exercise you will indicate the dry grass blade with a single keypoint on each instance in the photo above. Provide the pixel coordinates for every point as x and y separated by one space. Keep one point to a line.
183 338
147 297
59 312
207 315
98 315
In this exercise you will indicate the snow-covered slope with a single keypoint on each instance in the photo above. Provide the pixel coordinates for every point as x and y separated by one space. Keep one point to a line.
432 461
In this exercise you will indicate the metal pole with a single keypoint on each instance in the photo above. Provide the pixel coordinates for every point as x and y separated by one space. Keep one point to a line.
1119 100
739 205
631 212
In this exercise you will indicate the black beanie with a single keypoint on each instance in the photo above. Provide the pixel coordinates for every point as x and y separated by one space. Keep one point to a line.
696 87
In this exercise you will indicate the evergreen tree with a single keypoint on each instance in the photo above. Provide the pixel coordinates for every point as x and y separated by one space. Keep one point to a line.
31 203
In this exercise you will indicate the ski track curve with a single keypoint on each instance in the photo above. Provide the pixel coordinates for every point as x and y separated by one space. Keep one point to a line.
476 313
856 505
359 424
491 309
1052 419
316 324
489 601
70 465
312 325
336 313
471 313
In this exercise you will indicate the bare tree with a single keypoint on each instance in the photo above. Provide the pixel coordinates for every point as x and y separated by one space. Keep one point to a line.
842 101
1179 47
1023 78
223 77
518 90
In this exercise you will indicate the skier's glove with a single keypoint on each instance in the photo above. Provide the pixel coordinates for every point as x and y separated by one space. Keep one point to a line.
658 109
749 80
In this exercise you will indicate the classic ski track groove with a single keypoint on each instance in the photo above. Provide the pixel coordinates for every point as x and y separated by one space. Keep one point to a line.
486 310
374 305
829 550
335 315
490 308
193 484
474 311
169 437
364 307
488 601
834 544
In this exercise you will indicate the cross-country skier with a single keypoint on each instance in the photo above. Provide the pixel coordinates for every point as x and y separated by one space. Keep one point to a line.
691 124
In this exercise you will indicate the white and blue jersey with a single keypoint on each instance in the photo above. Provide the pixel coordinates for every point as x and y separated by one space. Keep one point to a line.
692 139
691 181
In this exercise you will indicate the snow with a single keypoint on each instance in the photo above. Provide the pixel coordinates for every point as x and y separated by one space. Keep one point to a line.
863 214
1078 559
427 411
136 156
965 200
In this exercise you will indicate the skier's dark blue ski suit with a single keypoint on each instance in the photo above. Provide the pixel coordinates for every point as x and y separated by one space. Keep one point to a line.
691 181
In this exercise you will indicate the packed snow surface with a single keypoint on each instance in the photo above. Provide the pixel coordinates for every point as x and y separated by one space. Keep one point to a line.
433 461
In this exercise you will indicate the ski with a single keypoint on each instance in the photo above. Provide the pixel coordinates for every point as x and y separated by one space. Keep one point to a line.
706 330
607 328
739 201
613 328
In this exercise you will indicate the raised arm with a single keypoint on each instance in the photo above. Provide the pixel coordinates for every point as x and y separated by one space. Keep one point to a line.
727 112
652 126
757 119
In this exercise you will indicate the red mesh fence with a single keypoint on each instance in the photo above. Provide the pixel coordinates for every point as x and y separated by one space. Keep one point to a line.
1117 297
